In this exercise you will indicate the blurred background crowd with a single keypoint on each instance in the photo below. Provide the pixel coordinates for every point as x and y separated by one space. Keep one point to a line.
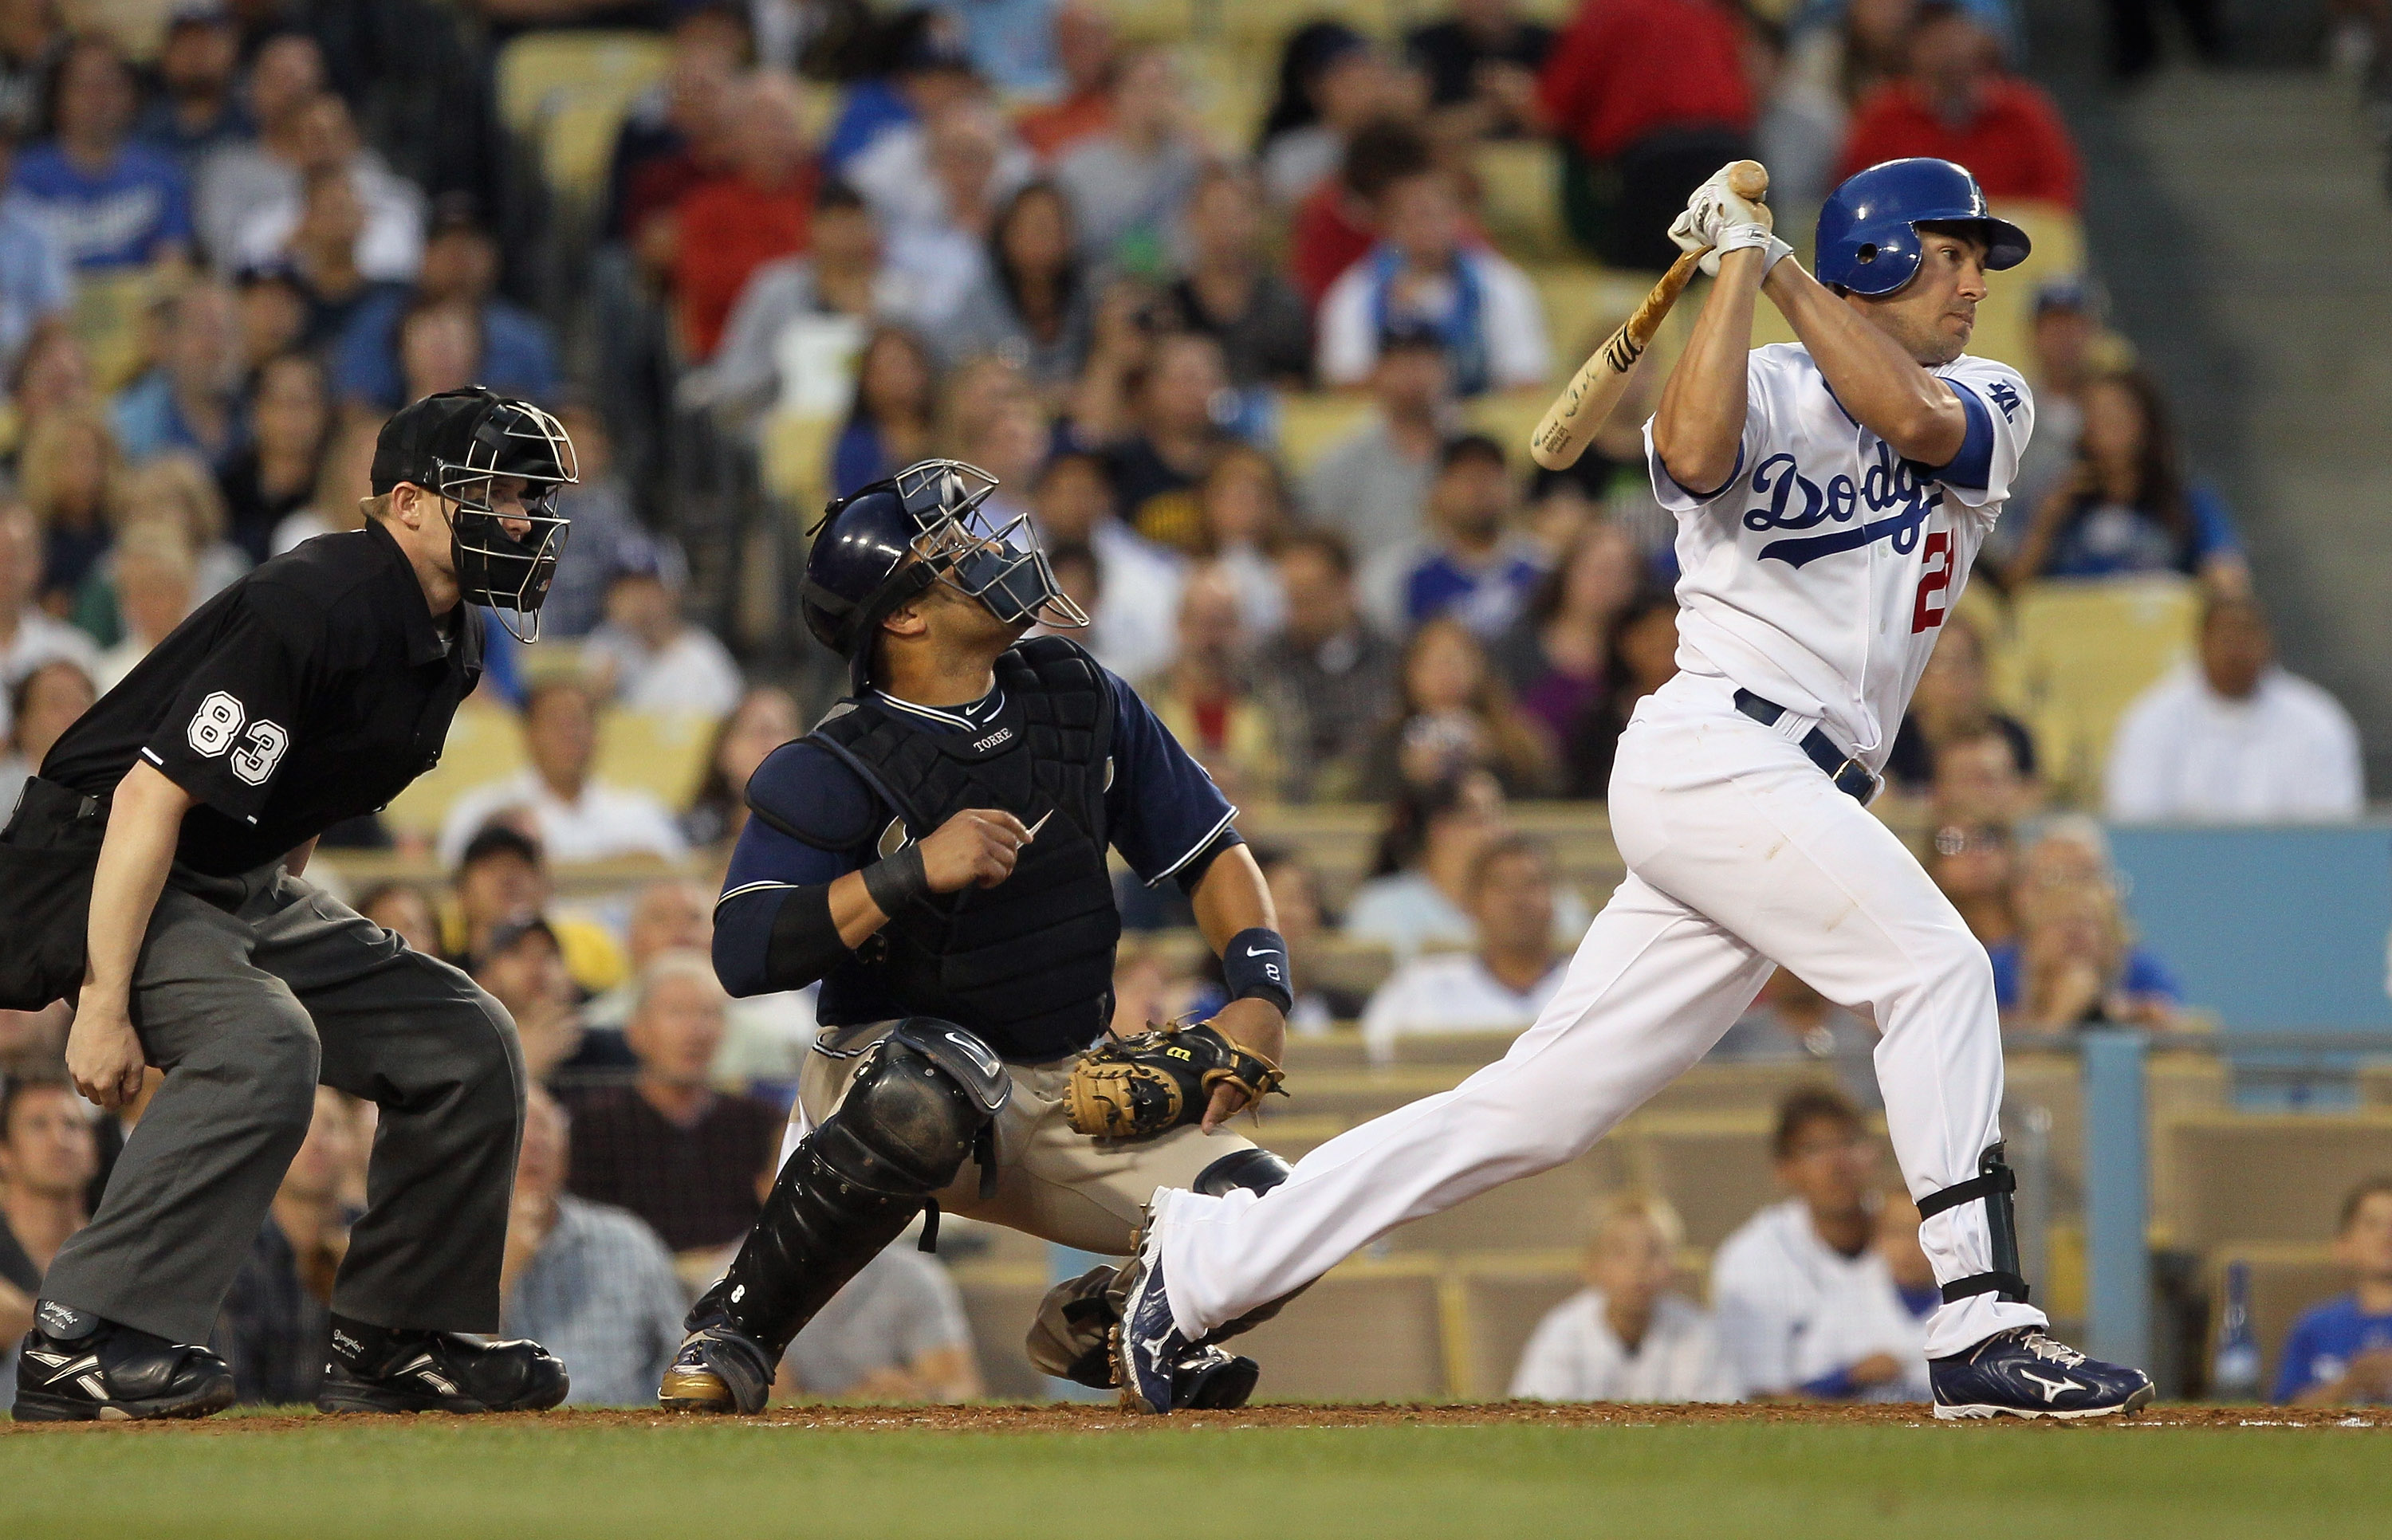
1249 306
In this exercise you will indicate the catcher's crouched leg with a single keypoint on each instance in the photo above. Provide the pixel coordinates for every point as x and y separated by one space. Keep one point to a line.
1072 1335
924 1099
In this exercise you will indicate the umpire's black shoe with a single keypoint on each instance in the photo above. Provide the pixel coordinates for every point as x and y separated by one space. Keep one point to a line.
717 1369
374 1369
75 1368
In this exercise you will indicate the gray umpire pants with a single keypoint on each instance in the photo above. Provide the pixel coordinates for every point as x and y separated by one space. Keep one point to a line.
249 992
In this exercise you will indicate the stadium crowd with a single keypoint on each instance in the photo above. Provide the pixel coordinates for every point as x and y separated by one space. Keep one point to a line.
238 233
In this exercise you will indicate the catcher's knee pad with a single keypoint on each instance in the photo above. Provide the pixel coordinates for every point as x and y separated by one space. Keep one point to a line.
926 1097
1258 1170
1993 1184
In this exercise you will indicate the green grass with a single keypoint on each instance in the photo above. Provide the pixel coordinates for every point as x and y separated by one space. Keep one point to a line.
1784 1482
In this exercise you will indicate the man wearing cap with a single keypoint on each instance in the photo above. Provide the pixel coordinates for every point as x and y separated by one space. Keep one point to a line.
310 692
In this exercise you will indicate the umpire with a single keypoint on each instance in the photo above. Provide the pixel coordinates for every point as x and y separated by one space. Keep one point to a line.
934 853
310 692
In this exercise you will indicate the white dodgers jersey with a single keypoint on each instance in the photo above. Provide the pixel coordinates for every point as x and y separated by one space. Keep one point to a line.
1819 576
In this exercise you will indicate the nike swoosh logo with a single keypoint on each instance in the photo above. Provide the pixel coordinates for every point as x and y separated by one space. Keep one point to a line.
1260 951
2051 1387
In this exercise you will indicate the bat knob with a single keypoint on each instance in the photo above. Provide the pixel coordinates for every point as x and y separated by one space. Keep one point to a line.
1747 179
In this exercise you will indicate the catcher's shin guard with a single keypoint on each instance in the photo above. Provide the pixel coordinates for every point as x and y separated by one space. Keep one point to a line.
1993 1182
925 1098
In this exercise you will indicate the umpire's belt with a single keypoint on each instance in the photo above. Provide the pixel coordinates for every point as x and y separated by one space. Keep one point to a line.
1850 776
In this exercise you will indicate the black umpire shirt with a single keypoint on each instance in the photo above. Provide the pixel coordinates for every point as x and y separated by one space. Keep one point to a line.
311 691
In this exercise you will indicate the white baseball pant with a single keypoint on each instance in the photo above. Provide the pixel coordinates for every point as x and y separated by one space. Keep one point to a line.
1740 854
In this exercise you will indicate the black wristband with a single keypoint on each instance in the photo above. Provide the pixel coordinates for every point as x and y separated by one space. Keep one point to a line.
1254 966
897 881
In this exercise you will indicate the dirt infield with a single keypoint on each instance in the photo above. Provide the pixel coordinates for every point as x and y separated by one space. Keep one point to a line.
1069 1419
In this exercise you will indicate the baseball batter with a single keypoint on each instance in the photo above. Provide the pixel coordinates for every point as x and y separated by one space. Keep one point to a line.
1830 495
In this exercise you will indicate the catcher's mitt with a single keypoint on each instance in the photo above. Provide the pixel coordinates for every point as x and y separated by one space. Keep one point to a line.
1137 1087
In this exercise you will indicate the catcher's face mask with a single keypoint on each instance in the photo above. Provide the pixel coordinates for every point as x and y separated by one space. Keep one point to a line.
506 532
996 564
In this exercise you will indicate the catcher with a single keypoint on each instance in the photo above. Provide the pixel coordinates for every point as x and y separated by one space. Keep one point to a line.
934 853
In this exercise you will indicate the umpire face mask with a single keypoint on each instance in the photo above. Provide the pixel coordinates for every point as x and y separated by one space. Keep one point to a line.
997 565
505 532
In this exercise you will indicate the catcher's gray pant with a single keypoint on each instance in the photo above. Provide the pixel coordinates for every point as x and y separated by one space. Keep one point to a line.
247 1002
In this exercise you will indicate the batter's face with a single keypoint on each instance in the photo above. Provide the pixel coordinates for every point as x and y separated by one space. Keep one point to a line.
1934 313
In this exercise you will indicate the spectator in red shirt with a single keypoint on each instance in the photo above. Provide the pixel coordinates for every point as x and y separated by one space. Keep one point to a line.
1957 104
1085 47
1336 224
732 224
1649 97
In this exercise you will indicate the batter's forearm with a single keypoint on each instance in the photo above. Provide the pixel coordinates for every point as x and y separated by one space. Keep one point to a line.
1699 426
1887 390
145 820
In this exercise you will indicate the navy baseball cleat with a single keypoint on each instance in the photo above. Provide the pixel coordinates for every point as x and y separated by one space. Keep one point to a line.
374 1370
1148 1345
2022 1372
717 1369
75 1368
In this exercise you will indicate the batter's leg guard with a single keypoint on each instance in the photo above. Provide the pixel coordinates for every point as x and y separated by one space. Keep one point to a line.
926 1098
1993 1182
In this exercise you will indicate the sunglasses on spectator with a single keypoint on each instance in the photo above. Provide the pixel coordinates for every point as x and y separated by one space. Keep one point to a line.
1953 840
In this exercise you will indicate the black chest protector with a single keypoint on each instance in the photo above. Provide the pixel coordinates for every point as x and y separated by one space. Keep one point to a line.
1028 965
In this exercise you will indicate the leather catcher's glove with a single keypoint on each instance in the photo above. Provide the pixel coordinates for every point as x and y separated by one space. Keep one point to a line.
1162 1078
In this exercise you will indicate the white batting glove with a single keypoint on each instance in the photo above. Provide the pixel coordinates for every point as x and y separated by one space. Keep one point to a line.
1718 218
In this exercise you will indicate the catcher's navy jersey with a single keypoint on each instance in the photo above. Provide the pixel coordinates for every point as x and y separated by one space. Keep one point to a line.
1161 812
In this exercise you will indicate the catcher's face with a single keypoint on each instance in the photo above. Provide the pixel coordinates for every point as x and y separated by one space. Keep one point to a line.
1934 313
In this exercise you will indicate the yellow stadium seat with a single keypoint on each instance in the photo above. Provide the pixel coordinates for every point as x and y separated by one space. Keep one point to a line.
485 743
1715 1169
1510 418
1582 304
2375 1084
110 319
1229 89
1311 423
1502 1301
2285 1280
566 93
2006 319
660 753
1368 1331
2084 651
2241 1177
1337 1051
1520 189
797 458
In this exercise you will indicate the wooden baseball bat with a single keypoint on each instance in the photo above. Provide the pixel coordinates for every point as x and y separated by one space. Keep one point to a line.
1570 422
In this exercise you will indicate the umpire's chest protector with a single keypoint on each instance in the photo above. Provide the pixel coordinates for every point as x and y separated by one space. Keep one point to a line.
1028 965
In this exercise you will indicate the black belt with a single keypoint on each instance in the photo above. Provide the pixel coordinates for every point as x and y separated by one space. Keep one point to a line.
1850 776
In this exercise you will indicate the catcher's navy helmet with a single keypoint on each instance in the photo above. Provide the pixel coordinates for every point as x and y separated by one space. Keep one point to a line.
862 565
1868 229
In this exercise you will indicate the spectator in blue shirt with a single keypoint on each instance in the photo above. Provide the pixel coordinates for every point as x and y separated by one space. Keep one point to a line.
109 203
2340 1352
2129 506
197 107
1482 573
191 401
34 284
461 267
2074 961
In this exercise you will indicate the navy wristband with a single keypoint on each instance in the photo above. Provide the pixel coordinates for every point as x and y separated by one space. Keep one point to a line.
1254 966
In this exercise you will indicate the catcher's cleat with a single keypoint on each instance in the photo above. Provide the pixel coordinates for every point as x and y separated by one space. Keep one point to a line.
717 1369
437 1371
1213 1380
75 1368
1148 1345
2023 1373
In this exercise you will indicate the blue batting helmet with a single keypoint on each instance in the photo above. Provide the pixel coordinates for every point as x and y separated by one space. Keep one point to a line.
1868 229
863 564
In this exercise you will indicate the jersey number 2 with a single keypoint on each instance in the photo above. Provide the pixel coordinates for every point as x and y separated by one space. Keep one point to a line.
1927 609
215 728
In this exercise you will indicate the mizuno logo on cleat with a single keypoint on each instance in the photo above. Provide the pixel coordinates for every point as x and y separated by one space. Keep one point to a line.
2051 1387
